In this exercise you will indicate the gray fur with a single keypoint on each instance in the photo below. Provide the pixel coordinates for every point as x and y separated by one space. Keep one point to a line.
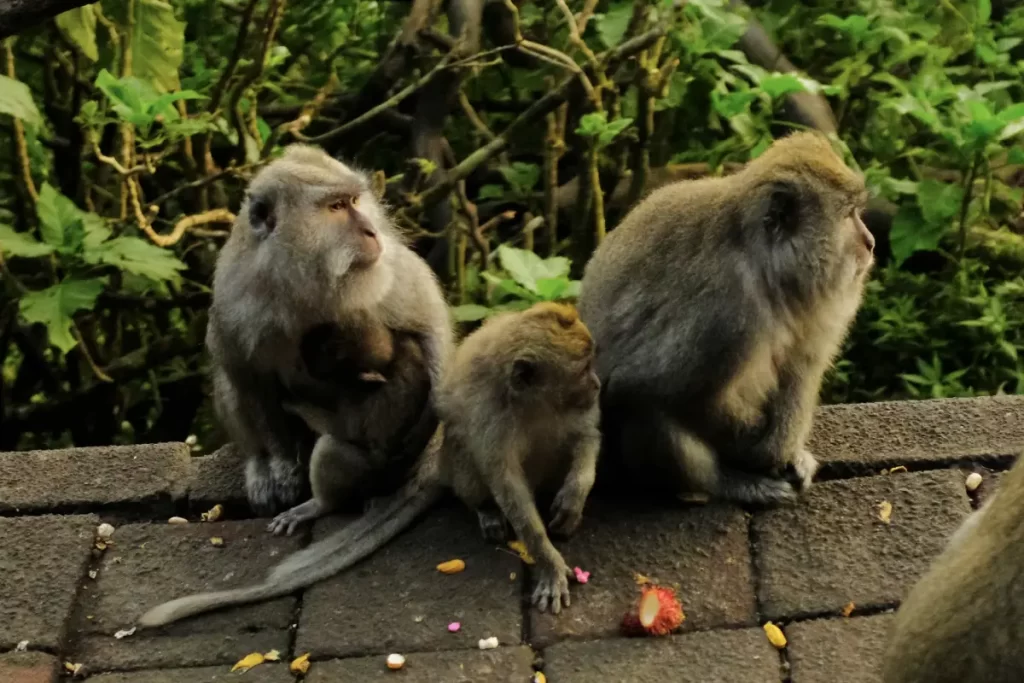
717 305
278 277
962 621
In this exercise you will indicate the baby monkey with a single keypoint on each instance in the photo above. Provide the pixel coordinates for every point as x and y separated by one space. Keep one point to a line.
375 422
519 411
962 622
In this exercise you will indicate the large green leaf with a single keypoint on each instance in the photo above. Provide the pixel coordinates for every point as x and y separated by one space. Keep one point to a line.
138 256
470 312
521 176
13 243
55 306
612 25
16 100
79 27
911 232
939 202
158 41
57 215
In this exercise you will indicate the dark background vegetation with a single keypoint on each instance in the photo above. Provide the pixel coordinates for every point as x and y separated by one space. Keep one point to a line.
510 135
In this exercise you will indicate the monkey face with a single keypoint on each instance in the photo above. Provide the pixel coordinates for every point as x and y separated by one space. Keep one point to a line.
356 234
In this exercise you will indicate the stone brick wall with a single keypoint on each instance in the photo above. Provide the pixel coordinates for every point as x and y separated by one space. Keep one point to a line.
63 596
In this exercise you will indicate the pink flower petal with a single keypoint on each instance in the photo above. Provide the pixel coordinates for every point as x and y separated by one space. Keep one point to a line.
454 626
581 575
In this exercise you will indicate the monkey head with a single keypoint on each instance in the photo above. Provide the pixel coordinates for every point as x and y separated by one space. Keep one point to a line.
805 219
553 357
315 211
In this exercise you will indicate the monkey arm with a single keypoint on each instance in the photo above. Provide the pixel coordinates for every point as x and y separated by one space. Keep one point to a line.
567 508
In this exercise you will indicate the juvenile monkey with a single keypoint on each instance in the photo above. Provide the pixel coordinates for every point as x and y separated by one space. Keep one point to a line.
717 305
963 622
520 417
311 246
375 424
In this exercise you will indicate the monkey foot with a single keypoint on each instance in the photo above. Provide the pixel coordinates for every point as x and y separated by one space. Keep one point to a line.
285 523
756 489
566 511
492 525
552 585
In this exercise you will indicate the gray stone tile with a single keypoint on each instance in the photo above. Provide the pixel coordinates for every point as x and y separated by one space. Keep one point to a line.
42 560
503 665
908 432
396 601
701 551
837 649
740 656
817 556
78 478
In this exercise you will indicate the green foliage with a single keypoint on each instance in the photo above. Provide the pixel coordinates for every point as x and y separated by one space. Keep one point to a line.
155 111
523 280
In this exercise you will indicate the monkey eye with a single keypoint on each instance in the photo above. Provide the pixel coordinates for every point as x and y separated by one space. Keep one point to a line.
341 204
355 200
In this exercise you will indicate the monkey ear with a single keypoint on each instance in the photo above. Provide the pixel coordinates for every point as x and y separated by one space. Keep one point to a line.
523 373
262 218
378 184
779 209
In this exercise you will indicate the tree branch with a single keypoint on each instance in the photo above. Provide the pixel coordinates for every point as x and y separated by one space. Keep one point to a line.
18 15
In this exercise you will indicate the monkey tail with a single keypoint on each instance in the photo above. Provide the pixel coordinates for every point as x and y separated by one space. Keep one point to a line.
316 561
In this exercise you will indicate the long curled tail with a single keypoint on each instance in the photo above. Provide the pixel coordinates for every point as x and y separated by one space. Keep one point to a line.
315 562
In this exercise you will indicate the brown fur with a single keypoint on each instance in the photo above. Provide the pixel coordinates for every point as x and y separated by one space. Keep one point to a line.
963 622
717 305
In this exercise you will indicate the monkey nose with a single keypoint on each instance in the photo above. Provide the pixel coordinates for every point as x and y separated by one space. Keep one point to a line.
869 241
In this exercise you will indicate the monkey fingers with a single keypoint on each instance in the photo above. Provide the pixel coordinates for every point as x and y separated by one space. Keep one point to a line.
285 523
552 584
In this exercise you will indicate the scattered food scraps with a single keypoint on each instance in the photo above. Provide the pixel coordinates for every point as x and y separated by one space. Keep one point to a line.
775 635
640 579
300 665
885 511
101 545
217 541
93 574
214 513
454 627
249 661
22 646
418 618
105 531
272 656
512 576
177 520
581 575
973 481
539 677
848 610
77 669
898 468
395 661
521 550
488 643
451 567
658 612
124 633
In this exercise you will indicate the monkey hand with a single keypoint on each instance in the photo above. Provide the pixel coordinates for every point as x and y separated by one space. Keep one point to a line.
552 584
286 522
567 508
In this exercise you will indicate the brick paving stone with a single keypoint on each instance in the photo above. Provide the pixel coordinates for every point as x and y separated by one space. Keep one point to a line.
704 551
78 478
151 563
907 432
503 665
815 557
201 649
396 601
218 478
28 667
264 673
818 650
41 562
733 656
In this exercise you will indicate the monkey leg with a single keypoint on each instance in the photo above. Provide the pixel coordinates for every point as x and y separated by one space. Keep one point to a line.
336 470
493 525
512 494
567 508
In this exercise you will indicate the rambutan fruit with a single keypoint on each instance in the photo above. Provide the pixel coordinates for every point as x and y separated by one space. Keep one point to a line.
657 612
